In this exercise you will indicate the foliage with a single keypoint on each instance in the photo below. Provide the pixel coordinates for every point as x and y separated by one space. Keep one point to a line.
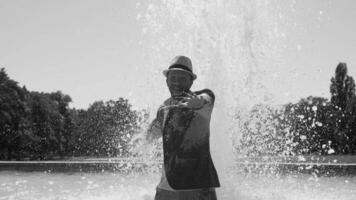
105 129
342 87
351 125
293 129
262 132
314 125
12 113
50 123
311 122
37 125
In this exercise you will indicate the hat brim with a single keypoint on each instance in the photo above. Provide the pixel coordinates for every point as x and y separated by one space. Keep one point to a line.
165 72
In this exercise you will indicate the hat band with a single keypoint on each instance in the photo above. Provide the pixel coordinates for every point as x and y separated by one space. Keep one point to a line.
180 67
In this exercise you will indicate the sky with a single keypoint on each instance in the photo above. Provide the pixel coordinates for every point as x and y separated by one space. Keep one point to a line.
99 50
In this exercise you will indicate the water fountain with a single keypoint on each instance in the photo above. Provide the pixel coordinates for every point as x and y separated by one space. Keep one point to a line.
236 47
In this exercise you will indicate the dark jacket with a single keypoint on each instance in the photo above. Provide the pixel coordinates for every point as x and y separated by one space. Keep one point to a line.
186 132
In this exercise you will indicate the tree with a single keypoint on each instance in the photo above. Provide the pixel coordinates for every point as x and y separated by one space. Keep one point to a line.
351 125
38 125
294 129
310 122
65 125
263 132
342 90
342 87
45 124
106 128
12 112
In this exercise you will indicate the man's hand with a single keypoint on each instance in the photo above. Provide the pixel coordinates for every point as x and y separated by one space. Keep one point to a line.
192 101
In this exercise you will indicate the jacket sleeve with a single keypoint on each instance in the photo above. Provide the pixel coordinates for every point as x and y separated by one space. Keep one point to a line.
208 95
209 99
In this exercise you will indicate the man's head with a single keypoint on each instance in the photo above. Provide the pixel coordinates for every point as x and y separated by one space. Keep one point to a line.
179 75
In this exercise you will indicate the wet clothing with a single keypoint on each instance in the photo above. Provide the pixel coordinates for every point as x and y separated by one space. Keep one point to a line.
188 167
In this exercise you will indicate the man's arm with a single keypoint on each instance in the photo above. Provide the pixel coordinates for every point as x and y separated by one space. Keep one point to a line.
199 99
207 95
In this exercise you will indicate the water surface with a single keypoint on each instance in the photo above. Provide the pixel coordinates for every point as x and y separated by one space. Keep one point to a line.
136 186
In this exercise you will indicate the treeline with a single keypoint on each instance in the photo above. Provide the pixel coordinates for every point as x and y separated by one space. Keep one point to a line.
314 125
39 126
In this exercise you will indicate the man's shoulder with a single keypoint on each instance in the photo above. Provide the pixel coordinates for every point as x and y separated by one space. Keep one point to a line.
205 91
167 101
208 92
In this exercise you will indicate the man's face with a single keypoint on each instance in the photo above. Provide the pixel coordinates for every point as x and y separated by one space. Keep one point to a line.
178 82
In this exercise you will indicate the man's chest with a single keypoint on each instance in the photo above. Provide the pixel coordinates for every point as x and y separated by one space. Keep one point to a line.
176 118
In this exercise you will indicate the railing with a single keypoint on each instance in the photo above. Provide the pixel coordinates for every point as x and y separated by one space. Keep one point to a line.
344 164
286 160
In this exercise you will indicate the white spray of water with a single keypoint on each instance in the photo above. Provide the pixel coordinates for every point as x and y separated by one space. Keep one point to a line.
232 44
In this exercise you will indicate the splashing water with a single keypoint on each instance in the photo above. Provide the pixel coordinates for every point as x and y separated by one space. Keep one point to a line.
113 186
236 47
233 44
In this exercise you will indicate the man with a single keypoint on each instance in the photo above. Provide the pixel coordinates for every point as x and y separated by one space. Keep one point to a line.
183 121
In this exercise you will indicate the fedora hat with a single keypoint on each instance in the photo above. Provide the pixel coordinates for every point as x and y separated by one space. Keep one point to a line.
181 63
